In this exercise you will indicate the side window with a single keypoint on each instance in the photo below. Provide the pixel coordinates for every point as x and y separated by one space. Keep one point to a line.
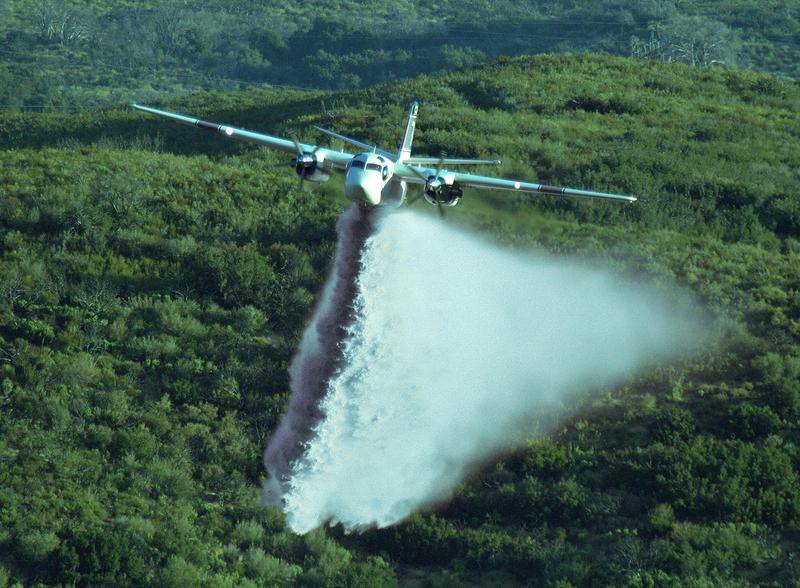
385 172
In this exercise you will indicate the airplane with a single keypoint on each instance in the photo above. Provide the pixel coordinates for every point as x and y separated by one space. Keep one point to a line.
376 177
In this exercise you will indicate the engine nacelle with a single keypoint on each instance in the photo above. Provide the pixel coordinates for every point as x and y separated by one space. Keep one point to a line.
437 192
309 167
315 174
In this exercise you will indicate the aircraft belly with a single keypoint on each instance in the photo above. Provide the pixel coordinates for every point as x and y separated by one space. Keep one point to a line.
394 192
363 189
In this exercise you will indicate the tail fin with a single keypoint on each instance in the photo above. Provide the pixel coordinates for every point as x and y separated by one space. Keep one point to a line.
405 147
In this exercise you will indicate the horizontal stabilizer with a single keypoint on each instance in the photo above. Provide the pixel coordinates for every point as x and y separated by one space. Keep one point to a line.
357 143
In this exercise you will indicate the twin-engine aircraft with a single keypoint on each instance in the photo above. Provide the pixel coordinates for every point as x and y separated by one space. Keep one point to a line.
376 177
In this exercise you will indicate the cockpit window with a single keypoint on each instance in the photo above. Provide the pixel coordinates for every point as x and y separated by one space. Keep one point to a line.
357 163
374 166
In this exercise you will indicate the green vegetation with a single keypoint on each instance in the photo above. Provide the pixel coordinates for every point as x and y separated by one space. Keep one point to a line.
66 53
154 282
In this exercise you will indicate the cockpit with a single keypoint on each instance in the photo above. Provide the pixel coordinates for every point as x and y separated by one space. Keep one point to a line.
371 163
366 177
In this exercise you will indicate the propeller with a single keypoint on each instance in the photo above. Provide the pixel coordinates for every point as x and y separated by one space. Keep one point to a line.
438 187
302 179
432 185
303 162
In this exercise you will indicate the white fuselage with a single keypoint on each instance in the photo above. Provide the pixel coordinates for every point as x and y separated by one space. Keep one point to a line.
368 180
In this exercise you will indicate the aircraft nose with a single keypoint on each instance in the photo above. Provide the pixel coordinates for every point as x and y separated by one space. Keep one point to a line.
364 188
371 191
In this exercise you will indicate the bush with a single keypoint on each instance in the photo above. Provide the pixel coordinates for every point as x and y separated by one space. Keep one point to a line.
269 570
178 573
37 545
751 422
674 425
248 533
373 573
780 375
233 276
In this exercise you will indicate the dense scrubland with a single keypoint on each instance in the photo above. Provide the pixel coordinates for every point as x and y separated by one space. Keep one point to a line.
155 280
57 54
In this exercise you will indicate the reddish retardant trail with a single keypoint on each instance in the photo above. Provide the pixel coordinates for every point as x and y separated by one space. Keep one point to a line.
319 354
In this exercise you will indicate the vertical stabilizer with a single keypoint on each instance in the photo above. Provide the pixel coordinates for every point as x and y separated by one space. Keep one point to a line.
405 146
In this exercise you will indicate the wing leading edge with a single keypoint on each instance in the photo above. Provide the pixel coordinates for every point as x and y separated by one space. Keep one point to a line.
449 161
530 187
337 158
476 181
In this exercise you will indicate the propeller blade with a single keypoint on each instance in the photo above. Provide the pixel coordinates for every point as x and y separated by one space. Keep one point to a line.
438 173
422 177
302 179
439 167
297 146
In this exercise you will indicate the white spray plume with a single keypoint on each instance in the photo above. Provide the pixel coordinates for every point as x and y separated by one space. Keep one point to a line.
452 347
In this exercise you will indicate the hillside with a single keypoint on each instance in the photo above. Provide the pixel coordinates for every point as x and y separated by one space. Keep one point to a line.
73 54
154 282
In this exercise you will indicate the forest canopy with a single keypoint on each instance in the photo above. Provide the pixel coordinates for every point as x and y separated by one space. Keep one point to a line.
154 282
71 54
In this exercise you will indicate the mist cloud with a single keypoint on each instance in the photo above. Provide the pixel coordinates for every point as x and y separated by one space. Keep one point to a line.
448 349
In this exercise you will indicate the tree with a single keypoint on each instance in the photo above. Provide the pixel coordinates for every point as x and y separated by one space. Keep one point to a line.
697 40
781 380
168 24
59 22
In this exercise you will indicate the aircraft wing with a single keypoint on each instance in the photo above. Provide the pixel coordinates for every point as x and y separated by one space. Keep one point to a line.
337 158
417 174
449 161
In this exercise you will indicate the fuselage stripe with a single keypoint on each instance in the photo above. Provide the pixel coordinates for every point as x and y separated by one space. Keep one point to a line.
207 126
